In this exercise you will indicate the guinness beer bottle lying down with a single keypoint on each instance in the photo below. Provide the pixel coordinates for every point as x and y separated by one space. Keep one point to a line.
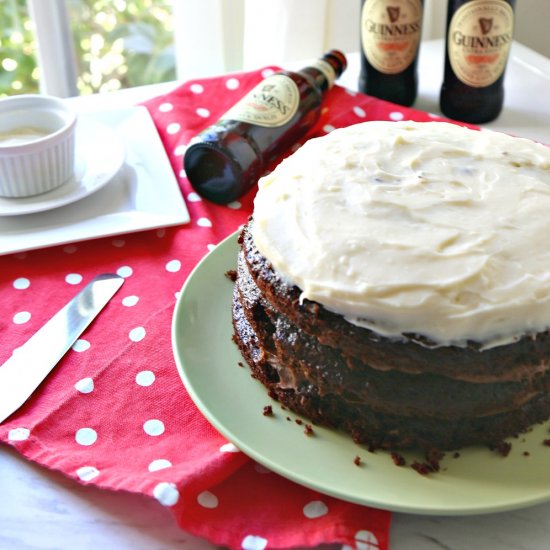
479 35
390 38
226 160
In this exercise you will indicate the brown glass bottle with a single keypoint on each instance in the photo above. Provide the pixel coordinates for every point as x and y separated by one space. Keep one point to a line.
226 160
390 39
478 38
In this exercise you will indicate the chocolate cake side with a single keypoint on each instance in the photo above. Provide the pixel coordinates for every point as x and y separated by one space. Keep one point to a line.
385 393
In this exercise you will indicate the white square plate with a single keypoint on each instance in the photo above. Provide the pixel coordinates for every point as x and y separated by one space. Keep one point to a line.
143 194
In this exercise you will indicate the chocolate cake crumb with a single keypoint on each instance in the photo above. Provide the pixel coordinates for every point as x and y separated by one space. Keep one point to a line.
308 430
422 468
240 363
289 419
398 459
526 453
357 460
299 421
546 442
503 448
433 457
231 275
268 410
456 454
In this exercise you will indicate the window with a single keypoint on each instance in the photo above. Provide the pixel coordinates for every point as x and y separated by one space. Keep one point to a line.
84 46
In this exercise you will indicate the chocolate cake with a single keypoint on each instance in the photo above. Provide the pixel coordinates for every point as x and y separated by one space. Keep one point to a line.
394 283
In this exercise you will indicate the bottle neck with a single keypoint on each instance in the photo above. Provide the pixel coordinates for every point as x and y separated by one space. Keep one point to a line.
325 70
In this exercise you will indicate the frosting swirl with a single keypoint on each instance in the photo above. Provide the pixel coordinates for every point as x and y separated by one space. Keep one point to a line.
424 228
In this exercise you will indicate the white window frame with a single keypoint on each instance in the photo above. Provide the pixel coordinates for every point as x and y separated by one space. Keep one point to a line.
56 55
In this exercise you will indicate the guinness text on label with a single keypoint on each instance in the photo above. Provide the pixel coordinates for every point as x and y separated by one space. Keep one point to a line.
384 29
481 41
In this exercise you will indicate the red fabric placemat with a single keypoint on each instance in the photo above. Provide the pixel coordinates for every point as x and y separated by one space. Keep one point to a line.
114 412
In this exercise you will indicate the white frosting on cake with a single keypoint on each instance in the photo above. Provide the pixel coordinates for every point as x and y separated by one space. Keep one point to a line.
424 228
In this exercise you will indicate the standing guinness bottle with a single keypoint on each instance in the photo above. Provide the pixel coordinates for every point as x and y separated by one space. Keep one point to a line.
479 35
390 38
226 160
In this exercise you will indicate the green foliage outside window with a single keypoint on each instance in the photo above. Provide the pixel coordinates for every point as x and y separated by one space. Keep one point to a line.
118 44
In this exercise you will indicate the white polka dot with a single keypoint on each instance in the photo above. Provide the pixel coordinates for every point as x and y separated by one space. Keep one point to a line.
197 88
81 345
396 115
210 247
119 243
165 107
365 540
145 378
328 128
267 72
180 150
315 509
87 473
232 84
350 92
73 278
18 434
359 111
208 500
124 271
173 128
137 334
194 197
21 317
159 464
166 493
235 205
130 301
86 436
173 266
153 427
203 112
204 222
229 448
70 249
182 173
253 542
85 385
21 283
161 233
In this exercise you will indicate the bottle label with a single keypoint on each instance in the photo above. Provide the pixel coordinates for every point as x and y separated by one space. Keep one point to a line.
390 33
272 103
478 41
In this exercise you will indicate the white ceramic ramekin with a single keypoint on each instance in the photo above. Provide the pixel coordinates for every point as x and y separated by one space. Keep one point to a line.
37 144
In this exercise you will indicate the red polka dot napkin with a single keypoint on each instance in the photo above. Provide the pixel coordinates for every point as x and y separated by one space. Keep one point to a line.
114 412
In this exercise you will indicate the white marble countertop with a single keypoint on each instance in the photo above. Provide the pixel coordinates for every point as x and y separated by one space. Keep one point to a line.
40 509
